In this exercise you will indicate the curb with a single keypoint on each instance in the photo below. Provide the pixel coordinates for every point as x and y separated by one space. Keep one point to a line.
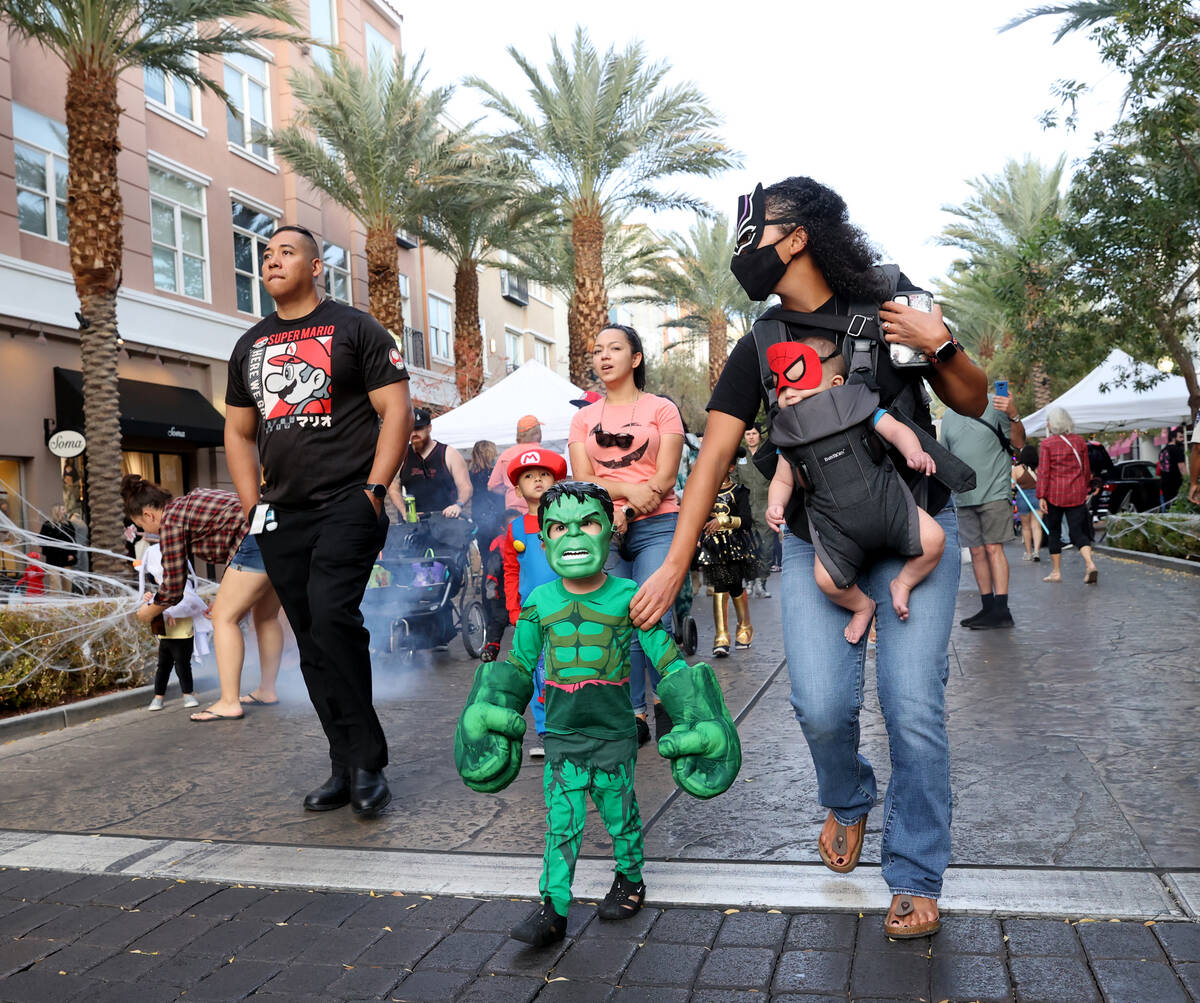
1157 560
82 711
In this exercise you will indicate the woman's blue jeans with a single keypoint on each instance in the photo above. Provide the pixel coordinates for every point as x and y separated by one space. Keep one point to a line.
646 542
911 669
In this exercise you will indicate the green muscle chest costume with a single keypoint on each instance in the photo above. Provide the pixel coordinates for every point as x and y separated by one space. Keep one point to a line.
591 738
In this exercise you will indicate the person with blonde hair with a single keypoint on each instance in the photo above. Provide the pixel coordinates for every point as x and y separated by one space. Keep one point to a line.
1064 476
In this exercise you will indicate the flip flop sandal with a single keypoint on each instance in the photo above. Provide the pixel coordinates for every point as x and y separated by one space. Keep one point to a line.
249 699
214 716
840 843
905 908
1092 577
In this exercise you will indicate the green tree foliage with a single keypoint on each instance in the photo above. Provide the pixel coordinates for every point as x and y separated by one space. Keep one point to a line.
1137 198
605 136
694 279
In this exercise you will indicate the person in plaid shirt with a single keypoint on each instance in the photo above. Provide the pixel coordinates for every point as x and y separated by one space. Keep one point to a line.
1064 476
209 525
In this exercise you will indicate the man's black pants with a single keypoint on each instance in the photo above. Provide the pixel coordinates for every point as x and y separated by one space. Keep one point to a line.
319 561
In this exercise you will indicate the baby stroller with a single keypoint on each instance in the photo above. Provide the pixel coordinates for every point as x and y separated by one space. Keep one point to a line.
686 634
427 587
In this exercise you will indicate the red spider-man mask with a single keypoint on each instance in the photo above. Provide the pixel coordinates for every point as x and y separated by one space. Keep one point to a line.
794 365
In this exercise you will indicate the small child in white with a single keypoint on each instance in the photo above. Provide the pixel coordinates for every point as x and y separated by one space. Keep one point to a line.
856 502
182 634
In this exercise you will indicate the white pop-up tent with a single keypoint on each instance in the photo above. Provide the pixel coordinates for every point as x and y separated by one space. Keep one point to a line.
1119 408
530 389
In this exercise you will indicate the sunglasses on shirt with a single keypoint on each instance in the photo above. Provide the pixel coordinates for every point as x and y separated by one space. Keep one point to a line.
621 440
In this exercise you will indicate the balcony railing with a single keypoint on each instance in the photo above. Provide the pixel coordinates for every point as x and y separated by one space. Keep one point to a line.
514 289
414 347
405 239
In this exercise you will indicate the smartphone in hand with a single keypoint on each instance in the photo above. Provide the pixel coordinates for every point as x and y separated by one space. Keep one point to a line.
1002 388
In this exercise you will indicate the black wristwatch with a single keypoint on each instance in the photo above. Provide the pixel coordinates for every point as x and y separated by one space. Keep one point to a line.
378 490
946 351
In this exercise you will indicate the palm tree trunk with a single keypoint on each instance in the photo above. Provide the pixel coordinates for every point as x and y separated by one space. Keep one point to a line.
590 302
94 221
718 333
383 278
468 340
1041 386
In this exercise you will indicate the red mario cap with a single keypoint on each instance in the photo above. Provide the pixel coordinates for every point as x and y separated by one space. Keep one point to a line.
536 456
311 351
794 365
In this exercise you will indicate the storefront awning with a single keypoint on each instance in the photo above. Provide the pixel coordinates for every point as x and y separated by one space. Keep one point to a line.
148 410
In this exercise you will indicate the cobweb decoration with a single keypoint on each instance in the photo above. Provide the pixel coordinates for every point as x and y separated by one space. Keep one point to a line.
67 619
1173 534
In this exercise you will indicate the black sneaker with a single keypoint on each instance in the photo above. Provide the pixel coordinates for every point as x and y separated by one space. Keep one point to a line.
971 620
662 721
624 899
491 651
992 620
543 927
643 730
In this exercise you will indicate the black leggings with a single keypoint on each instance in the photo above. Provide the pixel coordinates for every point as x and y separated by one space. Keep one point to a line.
174 652
1079 526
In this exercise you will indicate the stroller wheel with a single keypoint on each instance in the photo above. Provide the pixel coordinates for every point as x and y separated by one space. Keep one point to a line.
691 637
473 628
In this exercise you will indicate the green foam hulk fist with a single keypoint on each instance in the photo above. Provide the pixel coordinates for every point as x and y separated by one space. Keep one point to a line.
487 738
703 747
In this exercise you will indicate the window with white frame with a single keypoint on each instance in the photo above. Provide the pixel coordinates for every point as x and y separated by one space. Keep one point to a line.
246 115
177 234
172 93
514 347
40 149
322 20
441 329
381 54
538 291
337 273
251 232
541 351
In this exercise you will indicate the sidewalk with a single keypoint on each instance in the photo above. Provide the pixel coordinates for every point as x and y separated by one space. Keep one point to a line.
1074 766
111 938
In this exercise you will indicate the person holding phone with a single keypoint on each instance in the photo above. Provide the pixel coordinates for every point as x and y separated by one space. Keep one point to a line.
795 239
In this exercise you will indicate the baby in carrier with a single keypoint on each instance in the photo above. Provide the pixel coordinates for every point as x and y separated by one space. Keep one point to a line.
856 502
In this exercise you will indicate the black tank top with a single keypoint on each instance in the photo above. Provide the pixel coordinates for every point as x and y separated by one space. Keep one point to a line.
429 480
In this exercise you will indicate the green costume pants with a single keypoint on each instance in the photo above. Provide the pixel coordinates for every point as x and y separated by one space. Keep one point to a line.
576 767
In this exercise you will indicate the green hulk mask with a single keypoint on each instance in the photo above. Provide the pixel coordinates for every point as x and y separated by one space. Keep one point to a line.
576 530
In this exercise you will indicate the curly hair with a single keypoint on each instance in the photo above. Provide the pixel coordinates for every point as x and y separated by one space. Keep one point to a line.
841 251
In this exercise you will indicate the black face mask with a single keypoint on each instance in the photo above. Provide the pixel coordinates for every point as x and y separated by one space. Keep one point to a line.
757 269
758 272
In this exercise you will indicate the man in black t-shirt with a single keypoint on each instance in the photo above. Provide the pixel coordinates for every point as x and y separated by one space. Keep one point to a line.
318 393
1173 462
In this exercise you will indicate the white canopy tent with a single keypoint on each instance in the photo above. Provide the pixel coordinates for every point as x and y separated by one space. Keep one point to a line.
530 389
1119 408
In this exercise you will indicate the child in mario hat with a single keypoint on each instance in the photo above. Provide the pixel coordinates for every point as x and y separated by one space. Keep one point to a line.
856 502
531 472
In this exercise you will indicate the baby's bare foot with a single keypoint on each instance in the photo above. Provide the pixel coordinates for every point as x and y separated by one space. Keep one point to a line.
900 594
859 623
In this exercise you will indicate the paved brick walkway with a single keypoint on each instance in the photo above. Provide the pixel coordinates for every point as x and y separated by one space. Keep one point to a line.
102 938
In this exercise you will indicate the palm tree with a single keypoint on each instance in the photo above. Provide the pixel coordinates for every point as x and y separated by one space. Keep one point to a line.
1010 233
605 134
696 277
482 207
548 256
98 41
374 142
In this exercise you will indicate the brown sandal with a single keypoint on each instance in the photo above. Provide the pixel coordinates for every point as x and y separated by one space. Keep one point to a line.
840 843
902 906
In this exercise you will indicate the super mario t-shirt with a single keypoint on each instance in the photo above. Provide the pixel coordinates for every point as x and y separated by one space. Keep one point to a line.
309 379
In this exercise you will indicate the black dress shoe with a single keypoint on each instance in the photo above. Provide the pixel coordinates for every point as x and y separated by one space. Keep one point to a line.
370 794
542 928
334 793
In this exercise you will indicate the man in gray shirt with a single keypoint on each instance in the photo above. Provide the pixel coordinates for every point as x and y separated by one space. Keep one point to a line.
985 513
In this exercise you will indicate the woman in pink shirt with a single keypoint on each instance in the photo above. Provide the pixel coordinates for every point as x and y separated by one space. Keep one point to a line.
629 443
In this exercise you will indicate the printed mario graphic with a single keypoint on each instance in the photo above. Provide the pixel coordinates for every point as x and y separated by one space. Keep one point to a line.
303 381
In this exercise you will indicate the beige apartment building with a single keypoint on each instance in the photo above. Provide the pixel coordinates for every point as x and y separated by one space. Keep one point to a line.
201 196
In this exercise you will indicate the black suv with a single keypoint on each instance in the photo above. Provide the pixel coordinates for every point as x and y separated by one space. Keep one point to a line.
1131 486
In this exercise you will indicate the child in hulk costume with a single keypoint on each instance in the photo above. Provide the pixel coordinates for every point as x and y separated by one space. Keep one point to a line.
582 621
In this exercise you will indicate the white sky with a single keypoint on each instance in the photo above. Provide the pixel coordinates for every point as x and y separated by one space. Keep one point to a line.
895 105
